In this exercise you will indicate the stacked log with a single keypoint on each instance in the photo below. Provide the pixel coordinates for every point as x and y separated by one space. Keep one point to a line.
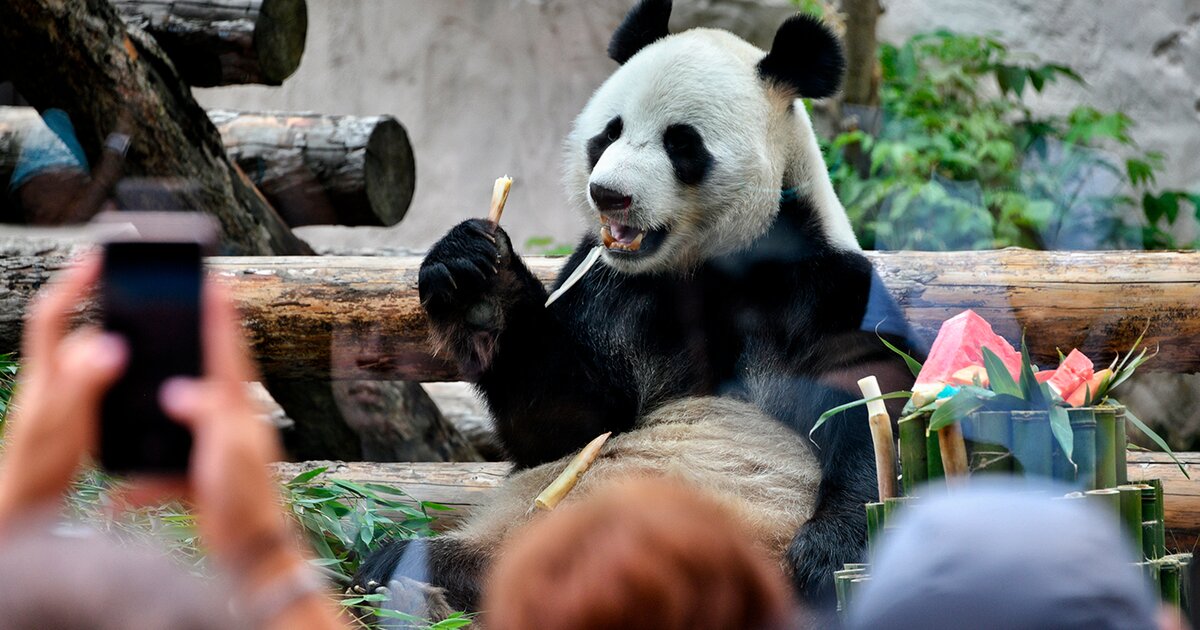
225 42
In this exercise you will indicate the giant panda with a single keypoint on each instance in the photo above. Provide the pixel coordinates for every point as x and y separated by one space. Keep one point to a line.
729 308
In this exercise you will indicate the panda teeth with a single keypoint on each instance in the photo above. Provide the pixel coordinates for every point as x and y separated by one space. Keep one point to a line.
612 243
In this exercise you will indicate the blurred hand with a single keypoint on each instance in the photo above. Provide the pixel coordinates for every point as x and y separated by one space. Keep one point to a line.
55 411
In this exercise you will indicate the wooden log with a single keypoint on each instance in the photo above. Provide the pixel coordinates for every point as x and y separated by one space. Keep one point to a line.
1098 302
80 57
321 170
313 169
225 42
465 486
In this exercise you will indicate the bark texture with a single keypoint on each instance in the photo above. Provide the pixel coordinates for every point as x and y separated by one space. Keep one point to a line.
225 42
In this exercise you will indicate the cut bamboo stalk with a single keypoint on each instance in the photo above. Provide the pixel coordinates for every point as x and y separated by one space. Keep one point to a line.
876 520
953 451
1150 570
1033 443
1131 513
1106 498
914 463
881 436
499 198
1150 523
1106 447
1119 462
933 453
1083 430
558 489
990 434
891 508
1160 514
1168 583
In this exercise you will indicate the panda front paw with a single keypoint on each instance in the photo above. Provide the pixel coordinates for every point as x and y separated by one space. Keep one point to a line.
459 277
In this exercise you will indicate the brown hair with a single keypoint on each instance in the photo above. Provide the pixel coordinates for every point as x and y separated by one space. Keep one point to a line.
643 554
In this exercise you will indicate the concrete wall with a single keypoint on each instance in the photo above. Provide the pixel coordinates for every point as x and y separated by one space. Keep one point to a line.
488 87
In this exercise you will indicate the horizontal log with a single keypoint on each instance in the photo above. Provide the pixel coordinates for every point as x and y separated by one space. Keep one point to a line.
320 170
465 486
314 169
359 318
225 42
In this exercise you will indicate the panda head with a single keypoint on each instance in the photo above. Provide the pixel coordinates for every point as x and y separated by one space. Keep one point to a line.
682 153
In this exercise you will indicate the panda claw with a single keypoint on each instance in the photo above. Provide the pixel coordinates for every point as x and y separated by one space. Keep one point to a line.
359 589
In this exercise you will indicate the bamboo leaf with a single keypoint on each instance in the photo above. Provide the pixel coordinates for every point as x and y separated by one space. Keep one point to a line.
1153 436
1060 426
1030 388
858 403
956 408
914 365
999 379
306 476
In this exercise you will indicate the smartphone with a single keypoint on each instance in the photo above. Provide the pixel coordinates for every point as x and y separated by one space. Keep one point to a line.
150 292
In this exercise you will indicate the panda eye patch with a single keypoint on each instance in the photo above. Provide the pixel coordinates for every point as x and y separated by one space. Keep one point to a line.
601 141
689 157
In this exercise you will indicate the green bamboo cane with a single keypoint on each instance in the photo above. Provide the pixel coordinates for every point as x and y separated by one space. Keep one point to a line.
1106 498
1106 447
1150 570
1168 582
913 460
933 454
991 433
1083 430
876 517
1033 443
1120 462
1159 513
1131 513
1150 522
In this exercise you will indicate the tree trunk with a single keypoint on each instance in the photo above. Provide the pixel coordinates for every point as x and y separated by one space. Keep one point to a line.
862 81
225 42
80 57
465 486
319 170
313 169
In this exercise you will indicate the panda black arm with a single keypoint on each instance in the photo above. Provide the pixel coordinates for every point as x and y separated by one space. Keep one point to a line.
547 389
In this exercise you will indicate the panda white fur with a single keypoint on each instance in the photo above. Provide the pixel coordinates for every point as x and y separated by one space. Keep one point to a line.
726 314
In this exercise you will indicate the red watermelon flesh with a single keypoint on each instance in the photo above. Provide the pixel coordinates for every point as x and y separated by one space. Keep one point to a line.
1074 371
960 344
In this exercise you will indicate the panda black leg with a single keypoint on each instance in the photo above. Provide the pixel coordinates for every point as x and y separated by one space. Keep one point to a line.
451 568
836 534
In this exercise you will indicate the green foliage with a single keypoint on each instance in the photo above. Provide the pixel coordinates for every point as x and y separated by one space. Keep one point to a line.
546 246
8 382
962 162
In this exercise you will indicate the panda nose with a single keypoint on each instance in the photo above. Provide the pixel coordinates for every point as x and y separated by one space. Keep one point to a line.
609 199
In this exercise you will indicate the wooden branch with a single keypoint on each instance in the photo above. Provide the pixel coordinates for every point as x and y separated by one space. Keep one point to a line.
79 56
320 170
464 486
296 308
862 82
225 42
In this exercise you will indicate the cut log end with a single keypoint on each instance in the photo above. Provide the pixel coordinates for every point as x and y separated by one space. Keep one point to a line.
390 172
279 37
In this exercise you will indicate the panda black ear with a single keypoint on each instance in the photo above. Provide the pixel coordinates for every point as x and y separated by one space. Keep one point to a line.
806 57
645 24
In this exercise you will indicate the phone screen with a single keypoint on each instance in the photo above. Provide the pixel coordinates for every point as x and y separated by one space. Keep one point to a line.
150 295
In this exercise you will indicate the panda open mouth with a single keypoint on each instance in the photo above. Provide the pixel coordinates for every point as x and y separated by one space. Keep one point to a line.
627 240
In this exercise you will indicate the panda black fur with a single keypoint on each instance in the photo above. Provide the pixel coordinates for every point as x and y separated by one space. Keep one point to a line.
712 348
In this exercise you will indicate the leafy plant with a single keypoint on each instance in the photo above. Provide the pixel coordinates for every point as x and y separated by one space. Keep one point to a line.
961 161
8 382
546 246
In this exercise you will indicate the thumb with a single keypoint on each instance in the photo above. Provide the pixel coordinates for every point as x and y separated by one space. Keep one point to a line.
90 362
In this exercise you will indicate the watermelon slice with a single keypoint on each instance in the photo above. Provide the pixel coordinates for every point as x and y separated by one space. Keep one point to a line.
1075 370
960 344
1078 398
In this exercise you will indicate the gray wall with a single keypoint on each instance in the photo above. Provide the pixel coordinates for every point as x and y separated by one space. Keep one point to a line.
488 87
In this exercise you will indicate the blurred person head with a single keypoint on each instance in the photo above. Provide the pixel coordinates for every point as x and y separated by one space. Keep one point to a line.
642 554
1005 555
91 582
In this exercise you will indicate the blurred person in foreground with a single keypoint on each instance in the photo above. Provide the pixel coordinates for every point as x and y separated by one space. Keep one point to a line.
52 430
647 553
1006 556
